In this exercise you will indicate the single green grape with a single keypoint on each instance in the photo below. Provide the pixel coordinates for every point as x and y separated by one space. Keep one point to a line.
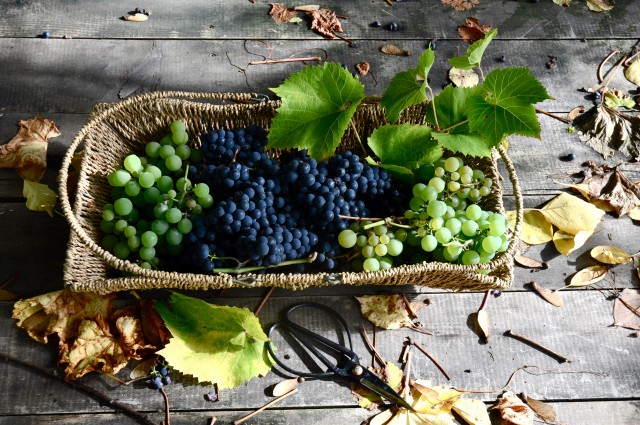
202 189
443 235
361 241
183 151
437 183
429 243
368 251
147 253
151 195
454 225
205 201
429 194
108 215
381 250
133 242
166 151
165 184
132 163
180 138
436 208
469 228
146 179
149 239
132 188
380 230
130 231
490 244
159 227
470 257
121 225
119 178
394 247
451 164
173 162
371 265
121 250
385 263
123 206
154 170
347 238
173 236
173 215
474 212
418 188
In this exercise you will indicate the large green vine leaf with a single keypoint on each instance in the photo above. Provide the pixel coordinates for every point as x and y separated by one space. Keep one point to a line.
506 107
317 105
408 88
218 344
474 52
406 145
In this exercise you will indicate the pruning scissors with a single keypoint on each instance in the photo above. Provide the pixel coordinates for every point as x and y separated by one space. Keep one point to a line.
346 363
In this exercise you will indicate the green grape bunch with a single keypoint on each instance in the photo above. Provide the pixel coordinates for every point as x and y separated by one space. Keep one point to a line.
444 222
153 201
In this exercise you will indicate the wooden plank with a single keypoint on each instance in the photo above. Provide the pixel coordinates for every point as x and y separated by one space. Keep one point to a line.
599 412
227 19
604 363
71 76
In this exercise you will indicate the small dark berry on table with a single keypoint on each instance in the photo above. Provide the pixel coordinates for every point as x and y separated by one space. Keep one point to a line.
156 383
211 396
501 59
163 371
393 26
46 34
433 44
166 380
568 157
496 293
376 24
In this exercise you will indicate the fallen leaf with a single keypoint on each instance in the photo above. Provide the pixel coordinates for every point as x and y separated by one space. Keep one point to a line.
615 99
153 326
26 152
281 14
566 243
39 197
610 255
622 314
571 214
632 72
307 7
325 22
575 113
583 189
610 186
436 401
283 387
600 5
564 3
367 399
535 229
461 5
550 296
531 263
220 344
143 368
473 411
391 49
588 276
544 411
472 30
464 77
635 213
386 311
363 68
136 17
131 338
605 129
512 410
484 323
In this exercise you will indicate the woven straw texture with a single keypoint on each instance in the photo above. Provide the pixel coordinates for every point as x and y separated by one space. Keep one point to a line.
116 130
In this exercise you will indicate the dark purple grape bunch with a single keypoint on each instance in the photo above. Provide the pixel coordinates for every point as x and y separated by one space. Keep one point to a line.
159 376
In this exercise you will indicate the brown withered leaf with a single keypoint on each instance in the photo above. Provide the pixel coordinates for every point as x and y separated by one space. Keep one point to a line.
59 312
610 186
391 49
544 411
387 311
605 129
552 297
472 30
626 309
600 5
325 22
464 77
363 68
307 7
143 368
280 13
588 275
528 262
27 151
575 112
95 348
153 327
513 411
461 5
484 323
131 338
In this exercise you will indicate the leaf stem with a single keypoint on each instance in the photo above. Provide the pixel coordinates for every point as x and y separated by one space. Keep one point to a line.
604 61
538 346
271 403
232 270
275 61
433 106
454 126
371 347
614 72
167 414
558 117
264 301
426 353
355 132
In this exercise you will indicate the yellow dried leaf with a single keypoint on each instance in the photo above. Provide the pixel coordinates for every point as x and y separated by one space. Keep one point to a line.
438 400
552 297
566 243
464 77
473 411
484 323
635 213
632 73
536 229
39 197
391 49
610 255
588 276
544 411
386 311
585 191
367 399
513 411
571 214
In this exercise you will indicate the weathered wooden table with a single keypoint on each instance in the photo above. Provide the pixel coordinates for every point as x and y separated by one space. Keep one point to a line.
204 46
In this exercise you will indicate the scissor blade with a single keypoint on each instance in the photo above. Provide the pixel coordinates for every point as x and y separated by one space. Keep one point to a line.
384 390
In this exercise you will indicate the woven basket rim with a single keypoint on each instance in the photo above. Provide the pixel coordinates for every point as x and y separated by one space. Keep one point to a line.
103 111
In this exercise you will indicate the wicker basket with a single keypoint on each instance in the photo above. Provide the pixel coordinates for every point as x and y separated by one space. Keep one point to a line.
116 130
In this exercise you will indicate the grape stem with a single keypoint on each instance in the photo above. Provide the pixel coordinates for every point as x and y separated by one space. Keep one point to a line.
433 106
348 217
355 132
445 130
231 270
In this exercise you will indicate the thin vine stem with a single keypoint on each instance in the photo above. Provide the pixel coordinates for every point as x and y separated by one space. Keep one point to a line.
355 132
433 106
455 125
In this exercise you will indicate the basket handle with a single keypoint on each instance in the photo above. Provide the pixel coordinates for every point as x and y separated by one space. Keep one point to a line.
93 122
517 195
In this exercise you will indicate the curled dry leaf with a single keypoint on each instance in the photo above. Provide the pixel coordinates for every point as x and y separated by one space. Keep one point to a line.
626 309
387 311
605 129
566 243
575 112
632 72
609 189
473 411
535 229
588 275
552 297
39 197
484 323
136 17
280 14
461 5
26 152
543 410
523 261
600 5
283 387
363 68
143 368
571 214
512 410
307 7
325 22
391 49
610 255
472 30
464 77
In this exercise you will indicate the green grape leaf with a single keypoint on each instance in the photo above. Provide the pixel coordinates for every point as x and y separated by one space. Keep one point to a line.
217 344
403 91
506 106
450 107
406 145
401 173
317 105
466 144
425 63
474 52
